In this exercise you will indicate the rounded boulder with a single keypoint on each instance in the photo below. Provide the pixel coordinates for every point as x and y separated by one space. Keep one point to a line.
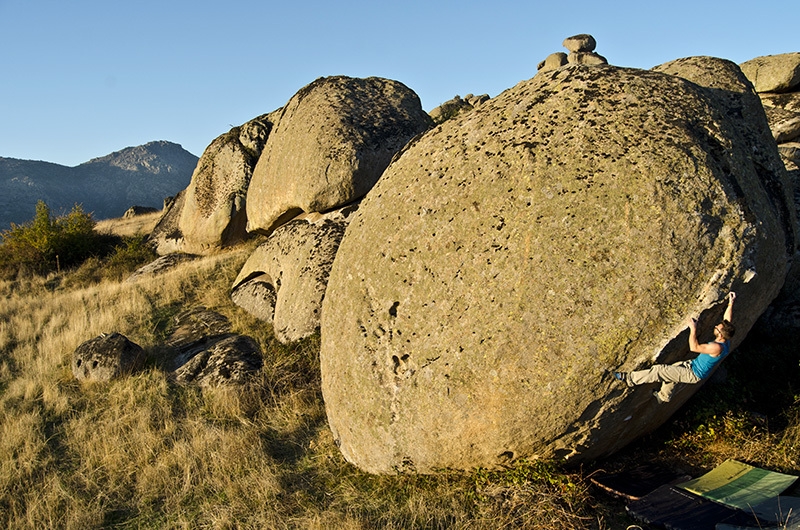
513 257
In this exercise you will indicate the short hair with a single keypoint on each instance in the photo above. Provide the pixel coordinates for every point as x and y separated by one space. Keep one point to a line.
728 330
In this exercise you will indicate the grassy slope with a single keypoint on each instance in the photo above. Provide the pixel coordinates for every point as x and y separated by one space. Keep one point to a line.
142 452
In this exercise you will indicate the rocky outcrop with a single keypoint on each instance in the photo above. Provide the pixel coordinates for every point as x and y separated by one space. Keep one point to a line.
159 266
207 354
166 236
774 73
457 105
581 51
106 357
214 213
284 280
135 211
510 257
777 80
332 142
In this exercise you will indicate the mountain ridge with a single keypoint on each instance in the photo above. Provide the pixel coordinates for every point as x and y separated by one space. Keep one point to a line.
106 186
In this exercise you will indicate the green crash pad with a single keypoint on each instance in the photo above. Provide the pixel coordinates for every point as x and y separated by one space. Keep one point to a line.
739 485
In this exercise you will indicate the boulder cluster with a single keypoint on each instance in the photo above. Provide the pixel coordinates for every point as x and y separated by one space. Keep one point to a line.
581 51
477 273
776 79
201 350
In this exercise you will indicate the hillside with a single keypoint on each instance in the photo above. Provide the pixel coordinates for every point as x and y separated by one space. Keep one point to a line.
107 186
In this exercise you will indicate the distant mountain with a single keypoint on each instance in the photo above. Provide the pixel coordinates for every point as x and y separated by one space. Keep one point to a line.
107 186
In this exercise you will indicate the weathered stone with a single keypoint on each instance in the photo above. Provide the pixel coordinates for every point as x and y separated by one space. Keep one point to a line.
284 280
510 257
214 213
105 357
790 152
774 73
194 326
553 62
159 266
207 354
790 101
450 109
476 100
133 211
784 124
166 236
333 141
580 43
229 360
586 58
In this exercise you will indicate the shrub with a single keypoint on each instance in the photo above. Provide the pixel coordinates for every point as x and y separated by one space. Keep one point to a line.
45 244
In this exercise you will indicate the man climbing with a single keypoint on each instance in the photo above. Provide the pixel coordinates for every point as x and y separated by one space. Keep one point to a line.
691 371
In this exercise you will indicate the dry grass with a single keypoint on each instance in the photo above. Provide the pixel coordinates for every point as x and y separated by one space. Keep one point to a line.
133 226
142 452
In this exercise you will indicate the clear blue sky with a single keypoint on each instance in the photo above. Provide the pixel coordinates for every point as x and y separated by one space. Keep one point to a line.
83 78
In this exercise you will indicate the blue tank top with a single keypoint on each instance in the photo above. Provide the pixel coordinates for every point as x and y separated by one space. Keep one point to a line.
704 363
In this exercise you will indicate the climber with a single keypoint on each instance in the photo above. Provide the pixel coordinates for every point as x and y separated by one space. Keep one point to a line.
692 371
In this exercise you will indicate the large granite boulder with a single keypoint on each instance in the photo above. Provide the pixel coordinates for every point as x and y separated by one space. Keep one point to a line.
284 280
333 140
512 257
774 73
214 213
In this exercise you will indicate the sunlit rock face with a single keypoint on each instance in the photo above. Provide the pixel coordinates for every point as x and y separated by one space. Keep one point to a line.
512 256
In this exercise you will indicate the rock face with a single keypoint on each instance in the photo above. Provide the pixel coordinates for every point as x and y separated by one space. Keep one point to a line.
456 106
333 140
284 280
166 236
774 73
581 51
214 213
777 79
510 257
208 354
106 357
158 266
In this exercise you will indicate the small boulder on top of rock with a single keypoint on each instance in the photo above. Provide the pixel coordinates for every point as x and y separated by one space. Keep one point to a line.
105 357
581 51
580 43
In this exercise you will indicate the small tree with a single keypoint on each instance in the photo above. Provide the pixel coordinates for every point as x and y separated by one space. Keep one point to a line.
45 244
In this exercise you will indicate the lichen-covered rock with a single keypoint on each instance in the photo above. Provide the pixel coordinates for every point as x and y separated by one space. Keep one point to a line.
214 213
587 59
552 62
159 266
774 73
207 354
284 280
333 140
229 360
105 357
512 256
784 124
166 237
790 101
580 43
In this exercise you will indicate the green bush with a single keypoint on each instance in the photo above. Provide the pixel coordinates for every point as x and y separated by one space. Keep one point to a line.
45 244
